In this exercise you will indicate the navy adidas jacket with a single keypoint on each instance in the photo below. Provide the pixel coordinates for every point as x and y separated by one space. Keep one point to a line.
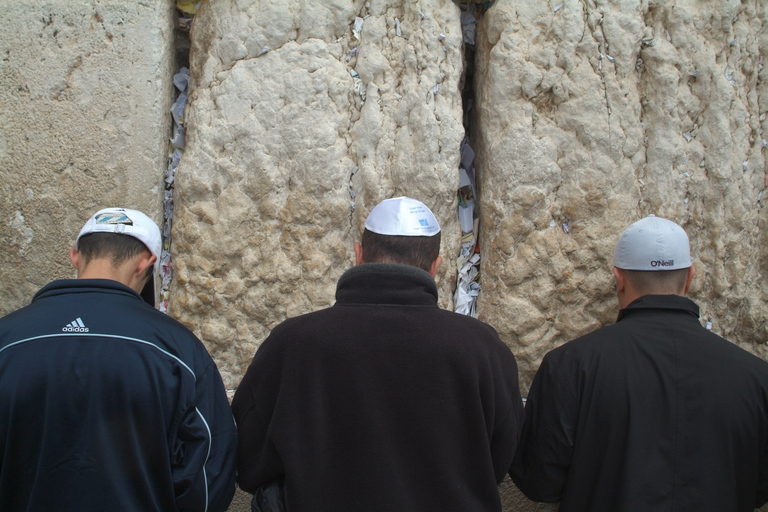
108 404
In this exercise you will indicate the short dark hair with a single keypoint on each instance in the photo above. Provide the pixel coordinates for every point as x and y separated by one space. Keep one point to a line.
416 251
658 282
118 248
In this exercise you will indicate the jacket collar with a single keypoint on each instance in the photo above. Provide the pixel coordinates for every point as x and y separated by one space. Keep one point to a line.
386 283
665 302
65 286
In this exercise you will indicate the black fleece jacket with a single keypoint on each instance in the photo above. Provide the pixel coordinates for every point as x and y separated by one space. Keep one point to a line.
382 402
653 412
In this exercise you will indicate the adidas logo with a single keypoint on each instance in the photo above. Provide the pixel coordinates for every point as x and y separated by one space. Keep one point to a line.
75 326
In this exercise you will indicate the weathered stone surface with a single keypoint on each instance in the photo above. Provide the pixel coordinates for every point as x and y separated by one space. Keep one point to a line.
594 114
85 92
283 122
589 116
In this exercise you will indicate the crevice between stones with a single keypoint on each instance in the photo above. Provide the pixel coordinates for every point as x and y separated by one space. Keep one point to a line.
468 261
181 45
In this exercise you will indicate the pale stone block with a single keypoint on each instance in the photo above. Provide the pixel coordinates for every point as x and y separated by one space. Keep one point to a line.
591 116
85 93
299 123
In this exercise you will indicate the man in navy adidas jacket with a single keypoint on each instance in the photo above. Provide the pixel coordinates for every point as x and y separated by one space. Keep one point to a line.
106 403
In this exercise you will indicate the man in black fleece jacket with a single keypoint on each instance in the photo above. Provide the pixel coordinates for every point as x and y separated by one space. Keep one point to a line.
382 401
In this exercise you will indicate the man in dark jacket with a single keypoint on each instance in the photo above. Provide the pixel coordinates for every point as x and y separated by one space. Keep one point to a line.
382 401
654 412
106 403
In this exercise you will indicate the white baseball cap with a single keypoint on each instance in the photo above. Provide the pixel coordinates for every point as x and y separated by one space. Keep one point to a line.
653 244
402 216
133 223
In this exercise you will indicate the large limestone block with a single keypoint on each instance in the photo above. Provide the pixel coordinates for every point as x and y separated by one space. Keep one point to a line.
85 92
594 114
299 122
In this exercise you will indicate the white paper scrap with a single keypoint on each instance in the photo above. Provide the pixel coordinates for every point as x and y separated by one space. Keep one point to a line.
358 27
181 79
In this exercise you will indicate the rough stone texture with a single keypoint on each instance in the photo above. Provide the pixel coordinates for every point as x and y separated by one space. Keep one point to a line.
590 115
241 501
594 114
278 133
85 92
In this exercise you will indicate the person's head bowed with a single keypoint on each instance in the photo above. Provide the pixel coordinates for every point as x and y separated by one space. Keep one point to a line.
652 257
401 230
119 244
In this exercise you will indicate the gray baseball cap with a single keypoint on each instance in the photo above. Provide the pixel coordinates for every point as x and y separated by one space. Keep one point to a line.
653 244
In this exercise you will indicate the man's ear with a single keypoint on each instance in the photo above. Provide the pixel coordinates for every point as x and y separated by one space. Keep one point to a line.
74 257
435 265
358 254
145 263
691 273
620 280
625 292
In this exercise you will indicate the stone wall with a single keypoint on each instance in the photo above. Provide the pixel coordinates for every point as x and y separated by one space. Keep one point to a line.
300 121
588 115
594 114
85 92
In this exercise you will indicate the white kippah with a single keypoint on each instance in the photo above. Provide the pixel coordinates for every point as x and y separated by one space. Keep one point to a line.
402 216
653 243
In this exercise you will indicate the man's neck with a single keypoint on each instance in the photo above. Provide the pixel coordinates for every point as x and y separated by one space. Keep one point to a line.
103 268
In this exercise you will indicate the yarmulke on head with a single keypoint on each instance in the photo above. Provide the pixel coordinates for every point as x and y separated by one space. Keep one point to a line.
402 216
653 244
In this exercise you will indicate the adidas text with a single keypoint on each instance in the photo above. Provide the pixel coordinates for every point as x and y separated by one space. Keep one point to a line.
69 328
76 326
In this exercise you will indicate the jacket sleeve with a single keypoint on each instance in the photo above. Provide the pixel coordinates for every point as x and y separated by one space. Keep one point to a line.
540 466
258 462
204 472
